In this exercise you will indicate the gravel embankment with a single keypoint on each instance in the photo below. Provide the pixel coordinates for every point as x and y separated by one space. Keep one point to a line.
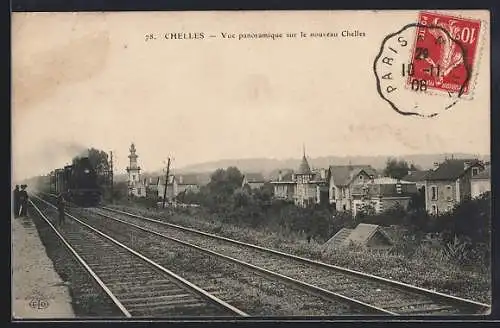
246 290
88 300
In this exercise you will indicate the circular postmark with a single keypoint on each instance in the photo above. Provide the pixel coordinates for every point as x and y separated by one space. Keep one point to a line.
424 77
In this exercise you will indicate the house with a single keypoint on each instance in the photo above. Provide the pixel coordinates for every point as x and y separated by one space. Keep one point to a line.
187 183
481 183
178 184
367 235
449 184
284 186
418 177
382 194
253 180
342 178
152 186
171 188
305 187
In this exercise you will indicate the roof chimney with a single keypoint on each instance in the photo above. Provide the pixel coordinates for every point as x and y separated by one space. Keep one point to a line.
280 176
436 165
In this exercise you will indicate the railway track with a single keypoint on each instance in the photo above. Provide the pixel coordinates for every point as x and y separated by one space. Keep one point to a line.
138 286
374 294
265 293
389 296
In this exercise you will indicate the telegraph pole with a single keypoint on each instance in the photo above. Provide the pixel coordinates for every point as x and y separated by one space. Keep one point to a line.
111 175
166 183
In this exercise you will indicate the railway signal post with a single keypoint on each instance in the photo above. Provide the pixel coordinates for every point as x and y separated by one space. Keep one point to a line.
111 175
166 183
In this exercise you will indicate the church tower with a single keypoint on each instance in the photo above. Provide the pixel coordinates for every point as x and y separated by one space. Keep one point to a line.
134 173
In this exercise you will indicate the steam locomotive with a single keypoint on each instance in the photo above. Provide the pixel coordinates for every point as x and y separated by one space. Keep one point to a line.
77 183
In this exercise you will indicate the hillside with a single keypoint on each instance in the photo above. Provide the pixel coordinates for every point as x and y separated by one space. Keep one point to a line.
269 165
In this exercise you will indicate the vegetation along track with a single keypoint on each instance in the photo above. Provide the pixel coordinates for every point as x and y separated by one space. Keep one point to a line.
391 296
137 285
254 290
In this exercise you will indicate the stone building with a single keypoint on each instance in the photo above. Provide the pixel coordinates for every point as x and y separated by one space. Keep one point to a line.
450 183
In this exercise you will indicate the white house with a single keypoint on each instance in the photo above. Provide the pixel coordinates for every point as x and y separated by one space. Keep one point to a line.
480 183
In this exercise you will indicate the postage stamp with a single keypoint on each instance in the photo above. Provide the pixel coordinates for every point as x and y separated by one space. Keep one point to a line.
429 66
444 52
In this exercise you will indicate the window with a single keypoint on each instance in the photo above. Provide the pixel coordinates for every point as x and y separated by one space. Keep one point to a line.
448 193
475 171
434 209
434 193
360 177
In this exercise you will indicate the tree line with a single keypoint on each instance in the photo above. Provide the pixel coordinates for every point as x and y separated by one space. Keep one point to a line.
225 197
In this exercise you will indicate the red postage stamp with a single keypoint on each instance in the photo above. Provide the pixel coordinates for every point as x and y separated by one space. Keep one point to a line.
444 52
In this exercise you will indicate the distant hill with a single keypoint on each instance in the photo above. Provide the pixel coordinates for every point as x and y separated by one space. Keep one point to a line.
269 166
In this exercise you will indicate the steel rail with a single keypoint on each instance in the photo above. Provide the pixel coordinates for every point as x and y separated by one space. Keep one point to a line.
306 287
82 262
423 291
183 282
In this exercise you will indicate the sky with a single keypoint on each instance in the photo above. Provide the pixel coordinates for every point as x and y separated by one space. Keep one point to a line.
84 80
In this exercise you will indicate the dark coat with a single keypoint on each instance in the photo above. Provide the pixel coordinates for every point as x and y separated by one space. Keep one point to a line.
23 197
16 201
60 204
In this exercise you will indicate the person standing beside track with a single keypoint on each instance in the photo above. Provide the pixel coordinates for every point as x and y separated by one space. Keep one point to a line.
23 201
61 204
16 201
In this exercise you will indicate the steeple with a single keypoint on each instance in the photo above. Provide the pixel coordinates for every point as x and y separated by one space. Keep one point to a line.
304 165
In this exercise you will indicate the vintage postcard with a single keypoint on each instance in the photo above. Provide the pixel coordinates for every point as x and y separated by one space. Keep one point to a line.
267 164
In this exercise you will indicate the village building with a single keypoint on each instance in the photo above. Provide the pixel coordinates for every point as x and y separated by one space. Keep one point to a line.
305 187
418 177
136 185
284 187
342 179
152 187
178 184
481 183
449 184
253 180
382 194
